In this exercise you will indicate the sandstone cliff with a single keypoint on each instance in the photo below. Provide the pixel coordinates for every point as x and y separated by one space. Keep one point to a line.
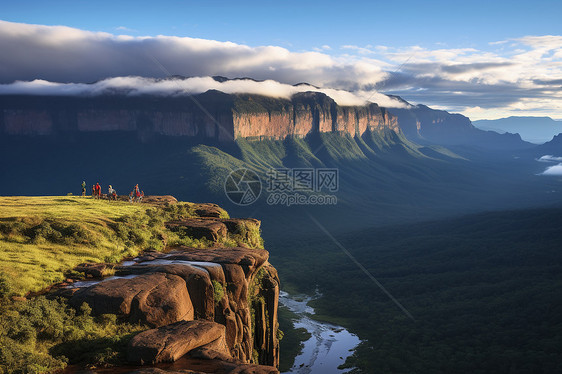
424 125
213 115
217 305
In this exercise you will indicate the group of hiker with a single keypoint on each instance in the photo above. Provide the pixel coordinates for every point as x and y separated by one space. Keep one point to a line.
136 195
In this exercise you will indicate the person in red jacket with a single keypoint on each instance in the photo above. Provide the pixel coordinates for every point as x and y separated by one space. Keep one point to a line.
98 191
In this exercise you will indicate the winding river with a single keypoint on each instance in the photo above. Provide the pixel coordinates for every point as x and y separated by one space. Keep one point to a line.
329 345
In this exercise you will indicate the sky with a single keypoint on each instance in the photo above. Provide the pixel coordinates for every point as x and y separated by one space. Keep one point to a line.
485 59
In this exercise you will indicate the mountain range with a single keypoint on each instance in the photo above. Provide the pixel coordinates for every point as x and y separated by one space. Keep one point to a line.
395 164
226 117
532 129
405 176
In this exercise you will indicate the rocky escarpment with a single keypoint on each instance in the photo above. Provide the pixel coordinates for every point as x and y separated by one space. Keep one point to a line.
216 304
424 125
211 115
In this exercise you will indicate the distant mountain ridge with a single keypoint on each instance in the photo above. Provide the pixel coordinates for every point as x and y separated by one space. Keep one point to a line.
553 147
212 115
226 117
533 129
424 125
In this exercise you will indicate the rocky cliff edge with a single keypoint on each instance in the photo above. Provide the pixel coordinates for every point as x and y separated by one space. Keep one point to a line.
216 306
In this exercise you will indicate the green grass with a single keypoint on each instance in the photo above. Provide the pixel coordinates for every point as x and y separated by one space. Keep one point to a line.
43 238
44 335
36 249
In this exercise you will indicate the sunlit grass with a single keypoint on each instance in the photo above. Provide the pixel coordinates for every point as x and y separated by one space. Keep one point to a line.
31 265
43 238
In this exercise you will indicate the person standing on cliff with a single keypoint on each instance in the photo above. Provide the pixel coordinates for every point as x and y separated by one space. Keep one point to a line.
98 191
111 193
83 188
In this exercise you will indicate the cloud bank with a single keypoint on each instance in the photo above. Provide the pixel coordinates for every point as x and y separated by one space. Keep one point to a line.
195 85
550 158
64 54
519 76
555 170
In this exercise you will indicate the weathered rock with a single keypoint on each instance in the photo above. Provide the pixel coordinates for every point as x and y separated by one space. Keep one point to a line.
94 270
248 319
247 228
146 118
209 354
200 228
239 225
160 200
212 367
199 286
156 299
215 350
248 259
161 371
210 210
169 343
150 256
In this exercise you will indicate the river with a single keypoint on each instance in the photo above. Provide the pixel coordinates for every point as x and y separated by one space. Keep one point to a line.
329 345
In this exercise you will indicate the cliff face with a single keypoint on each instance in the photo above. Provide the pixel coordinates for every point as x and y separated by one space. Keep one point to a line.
224 118
216 304
308 113
424 125
210 115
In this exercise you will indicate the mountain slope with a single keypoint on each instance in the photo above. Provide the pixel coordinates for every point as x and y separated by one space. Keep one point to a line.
532 129
429 126
552 147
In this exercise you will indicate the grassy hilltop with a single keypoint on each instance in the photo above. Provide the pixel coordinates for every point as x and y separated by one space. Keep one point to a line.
43 238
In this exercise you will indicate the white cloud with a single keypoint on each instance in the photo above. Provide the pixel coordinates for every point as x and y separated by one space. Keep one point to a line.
64 54
550 158
134 85
518 76
555 170
125 28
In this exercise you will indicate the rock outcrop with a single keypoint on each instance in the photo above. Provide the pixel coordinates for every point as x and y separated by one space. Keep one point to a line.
155 299
213 115
217 303
169 343
424 125
200 228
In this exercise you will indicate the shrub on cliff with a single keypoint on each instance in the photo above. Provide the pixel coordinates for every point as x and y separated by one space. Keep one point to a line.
42 335
218 291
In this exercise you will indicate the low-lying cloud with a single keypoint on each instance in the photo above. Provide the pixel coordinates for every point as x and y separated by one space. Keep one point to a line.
519 76
550 158
555 170
195 85
64 54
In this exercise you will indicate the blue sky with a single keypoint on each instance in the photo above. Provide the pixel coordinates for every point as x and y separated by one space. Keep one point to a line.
303 25
485 59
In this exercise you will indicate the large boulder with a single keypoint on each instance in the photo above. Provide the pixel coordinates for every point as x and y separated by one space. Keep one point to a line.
197 279
199 228
155 299
249 259
169 343
209 210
